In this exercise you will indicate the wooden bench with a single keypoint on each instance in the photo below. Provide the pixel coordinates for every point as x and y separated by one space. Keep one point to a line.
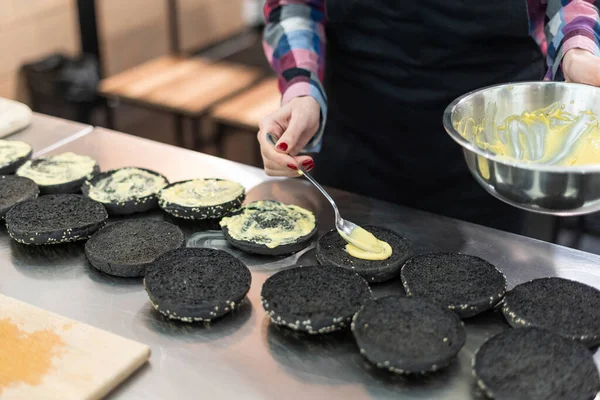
185 87
246 109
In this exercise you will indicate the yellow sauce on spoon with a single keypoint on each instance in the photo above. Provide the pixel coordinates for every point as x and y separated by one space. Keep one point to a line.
378 249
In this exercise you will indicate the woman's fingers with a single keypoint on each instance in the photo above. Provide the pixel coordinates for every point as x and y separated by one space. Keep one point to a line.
276 163
293 125
271 155
274 169
581 66
306 162
305 115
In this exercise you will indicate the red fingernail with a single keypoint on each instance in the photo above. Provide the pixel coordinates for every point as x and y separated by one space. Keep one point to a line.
293 167
282 146
306 163
310 166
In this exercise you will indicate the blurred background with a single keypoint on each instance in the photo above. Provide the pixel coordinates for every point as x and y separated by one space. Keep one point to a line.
190 73
180 72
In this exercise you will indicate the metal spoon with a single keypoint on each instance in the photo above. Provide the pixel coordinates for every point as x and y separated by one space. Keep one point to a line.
344 227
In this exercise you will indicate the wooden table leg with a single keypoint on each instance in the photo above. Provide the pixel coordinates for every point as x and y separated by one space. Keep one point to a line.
178 125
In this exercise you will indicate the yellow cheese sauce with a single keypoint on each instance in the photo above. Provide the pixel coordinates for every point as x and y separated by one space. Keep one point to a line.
11 151
270 223
57 169
550 136
370 248
126 184
202 192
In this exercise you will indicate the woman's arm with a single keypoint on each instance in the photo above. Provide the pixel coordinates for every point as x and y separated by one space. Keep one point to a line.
294 43
572 34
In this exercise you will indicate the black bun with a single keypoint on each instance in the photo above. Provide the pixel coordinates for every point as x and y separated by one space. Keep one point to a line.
331 250
129 206
259 248
533 364
199 213
562 306
314 299
127 248
408 335
196 284
13 166
55 219
465 284
15 189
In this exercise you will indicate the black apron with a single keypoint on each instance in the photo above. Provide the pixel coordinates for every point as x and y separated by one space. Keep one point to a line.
392 67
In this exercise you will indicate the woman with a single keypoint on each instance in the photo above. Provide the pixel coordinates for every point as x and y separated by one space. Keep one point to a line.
390 69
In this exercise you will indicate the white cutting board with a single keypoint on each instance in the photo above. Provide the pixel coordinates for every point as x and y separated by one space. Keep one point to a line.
14 116
46 356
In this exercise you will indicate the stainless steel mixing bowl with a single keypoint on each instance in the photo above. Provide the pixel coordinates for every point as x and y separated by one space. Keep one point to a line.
548 189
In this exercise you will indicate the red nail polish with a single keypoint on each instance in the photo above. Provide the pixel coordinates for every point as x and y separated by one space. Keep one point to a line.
292 167
310 166
306 163
282 146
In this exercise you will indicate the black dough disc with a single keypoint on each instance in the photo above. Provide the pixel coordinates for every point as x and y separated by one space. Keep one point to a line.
197 284
559 305
216 211
9 166
465 284
127 248
55 219
331 249
15 189
267 215
314 299
132 204
534 364
407 335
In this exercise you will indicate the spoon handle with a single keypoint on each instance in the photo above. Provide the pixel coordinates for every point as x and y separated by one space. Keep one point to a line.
271 139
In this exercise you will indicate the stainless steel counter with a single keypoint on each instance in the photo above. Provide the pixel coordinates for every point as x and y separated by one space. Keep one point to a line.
46 133
242 356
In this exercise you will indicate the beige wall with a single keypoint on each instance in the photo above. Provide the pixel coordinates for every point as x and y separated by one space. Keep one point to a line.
32 29
134 31
203 22
131 32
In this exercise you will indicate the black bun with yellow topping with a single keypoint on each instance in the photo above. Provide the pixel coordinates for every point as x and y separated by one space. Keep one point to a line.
331 249
407 335
197 284
12 166
315 299
73 186
200 212
126 249
254 227
15 189
55 219
68 187
131 204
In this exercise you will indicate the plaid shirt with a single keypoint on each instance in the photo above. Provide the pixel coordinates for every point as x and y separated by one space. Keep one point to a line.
294 42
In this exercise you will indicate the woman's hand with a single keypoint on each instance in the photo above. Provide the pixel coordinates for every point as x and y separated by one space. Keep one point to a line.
294 124
581 66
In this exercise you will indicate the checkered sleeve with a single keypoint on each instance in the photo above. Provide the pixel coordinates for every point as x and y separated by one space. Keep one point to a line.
571 24
294 43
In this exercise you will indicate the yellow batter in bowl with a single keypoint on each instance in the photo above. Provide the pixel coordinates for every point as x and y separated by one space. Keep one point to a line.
550 136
